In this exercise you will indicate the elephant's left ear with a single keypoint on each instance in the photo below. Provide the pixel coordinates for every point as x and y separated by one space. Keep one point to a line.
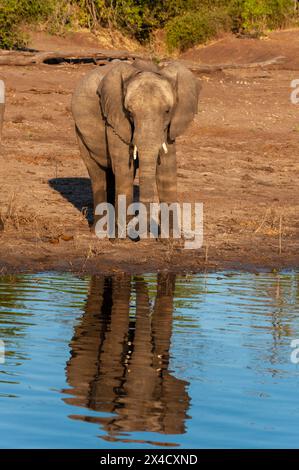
111 93
187 94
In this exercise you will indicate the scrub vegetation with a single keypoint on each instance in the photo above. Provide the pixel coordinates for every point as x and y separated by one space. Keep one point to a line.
185 22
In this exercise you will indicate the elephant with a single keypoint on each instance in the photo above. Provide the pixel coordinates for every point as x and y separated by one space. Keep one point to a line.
128 116
120 362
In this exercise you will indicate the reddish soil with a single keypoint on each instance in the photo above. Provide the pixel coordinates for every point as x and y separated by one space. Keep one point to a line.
239 157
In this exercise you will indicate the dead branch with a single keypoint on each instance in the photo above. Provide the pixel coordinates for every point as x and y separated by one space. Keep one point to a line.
101 57
204 68
35 58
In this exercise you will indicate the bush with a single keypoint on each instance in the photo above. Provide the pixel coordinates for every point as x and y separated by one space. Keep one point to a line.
257 15
13 13
138 18
187 22
249 16
195 28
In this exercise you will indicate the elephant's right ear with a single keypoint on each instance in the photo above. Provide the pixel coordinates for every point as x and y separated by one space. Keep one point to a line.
111 93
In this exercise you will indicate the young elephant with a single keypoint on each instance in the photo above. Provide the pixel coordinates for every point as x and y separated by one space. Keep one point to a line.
127 112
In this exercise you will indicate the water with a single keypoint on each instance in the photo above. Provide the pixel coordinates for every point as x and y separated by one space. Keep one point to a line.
200 361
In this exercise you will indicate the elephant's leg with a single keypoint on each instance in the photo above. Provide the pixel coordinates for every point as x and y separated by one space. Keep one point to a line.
123 169
97 175
167 179
110 185
123 189
167 175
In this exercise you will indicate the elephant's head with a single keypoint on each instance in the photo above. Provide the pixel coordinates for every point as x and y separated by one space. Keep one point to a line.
148 108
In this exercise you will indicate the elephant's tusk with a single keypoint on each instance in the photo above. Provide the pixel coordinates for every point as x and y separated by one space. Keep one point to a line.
135 152
164 147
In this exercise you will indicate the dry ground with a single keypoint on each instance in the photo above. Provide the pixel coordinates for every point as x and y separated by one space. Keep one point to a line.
239 157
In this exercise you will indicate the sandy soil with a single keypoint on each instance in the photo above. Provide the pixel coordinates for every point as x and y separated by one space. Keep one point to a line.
239 157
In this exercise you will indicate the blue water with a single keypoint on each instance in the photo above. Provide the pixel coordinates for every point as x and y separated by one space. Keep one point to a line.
140 361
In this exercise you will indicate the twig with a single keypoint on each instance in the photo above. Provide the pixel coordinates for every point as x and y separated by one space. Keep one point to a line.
10 205
205 68
206 253
280 234
263 221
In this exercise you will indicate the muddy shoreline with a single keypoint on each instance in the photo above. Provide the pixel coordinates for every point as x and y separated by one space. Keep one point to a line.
113 261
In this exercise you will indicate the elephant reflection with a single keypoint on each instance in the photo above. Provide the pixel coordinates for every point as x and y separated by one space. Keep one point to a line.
120 362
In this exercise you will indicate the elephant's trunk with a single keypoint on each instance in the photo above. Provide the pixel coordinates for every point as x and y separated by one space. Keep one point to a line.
147 176
135 150
149 137
147 189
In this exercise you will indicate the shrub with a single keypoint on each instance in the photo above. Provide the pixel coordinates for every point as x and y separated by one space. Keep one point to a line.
194 28
258 15
138 18
13 13
187 22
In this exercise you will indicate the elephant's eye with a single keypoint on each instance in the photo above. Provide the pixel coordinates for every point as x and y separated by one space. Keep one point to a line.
167 111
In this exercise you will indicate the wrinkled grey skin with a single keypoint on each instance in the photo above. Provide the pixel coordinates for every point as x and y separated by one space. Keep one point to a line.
120 105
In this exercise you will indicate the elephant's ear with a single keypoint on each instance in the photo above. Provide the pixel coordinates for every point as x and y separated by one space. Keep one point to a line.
111 93
187 94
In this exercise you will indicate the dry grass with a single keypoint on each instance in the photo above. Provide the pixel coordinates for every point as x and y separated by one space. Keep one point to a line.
20 218
109 38
270 225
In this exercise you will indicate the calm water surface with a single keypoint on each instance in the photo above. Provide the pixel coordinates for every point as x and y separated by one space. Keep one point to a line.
151 360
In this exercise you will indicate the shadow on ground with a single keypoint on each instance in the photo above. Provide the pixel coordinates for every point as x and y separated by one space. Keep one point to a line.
78 192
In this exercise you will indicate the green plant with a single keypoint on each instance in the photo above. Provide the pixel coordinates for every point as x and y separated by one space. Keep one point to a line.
194 28
258 15
13 13
187 22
